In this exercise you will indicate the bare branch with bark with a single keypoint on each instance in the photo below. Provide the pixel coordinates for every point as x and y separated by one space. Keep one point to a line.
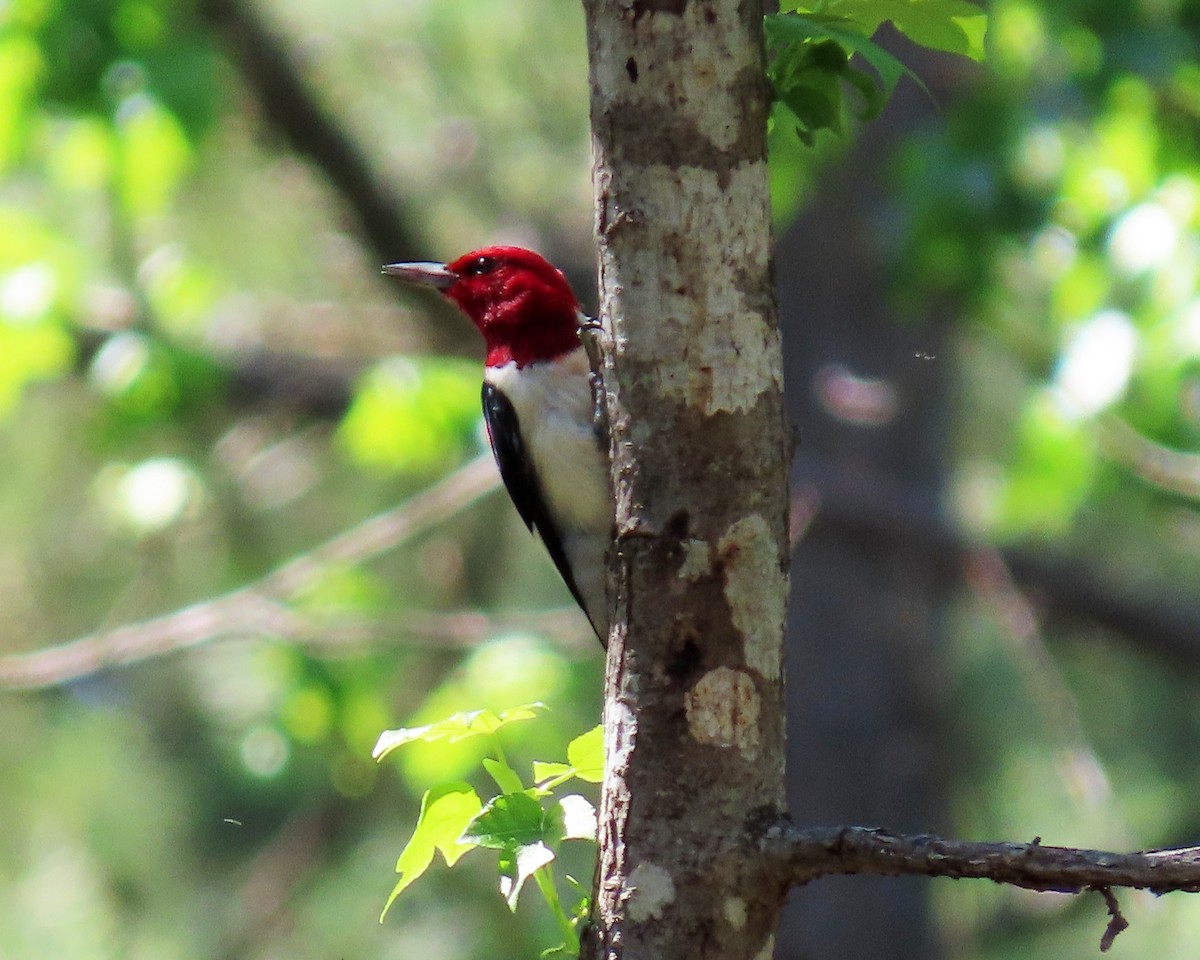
799 856
260 607
804 855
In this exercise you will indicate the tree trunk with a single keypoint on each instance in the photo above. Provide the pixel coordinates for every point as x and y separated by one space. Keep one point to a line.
694 706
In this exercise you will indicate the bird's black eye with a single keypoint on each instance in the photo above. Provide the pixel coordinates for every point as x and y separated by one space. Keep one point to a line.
479 266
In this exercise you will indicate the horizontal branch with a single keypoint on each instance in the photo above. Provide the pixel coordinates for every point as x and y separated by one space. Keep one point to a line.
260 608
805 855
1174 471
882 512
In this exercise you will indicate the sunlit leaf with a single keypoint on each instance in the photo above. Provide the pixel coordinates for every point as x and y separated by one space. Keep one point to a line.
20 66
586 755
499 673
811 57
461 726
505 776
517 866
29 353
1051 471
154 154
82 154
445 812
578 818
33 345
507 822
954 26
544 770
413 414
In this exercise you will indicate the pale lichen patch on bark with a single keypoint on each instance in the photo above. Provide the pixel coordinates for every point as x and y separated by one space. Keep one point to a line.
702 94
768 950
620 725
756 603
721 374
723 710
648 890
735 912
697 559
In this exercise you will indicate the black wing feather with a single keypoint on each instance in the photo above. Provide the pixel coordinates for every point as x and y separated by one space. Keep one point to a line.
521 480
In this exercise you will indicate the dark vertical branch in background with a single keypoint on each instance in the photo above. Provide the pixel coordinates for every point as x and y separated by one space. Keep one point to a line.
292 109
869 395
310 128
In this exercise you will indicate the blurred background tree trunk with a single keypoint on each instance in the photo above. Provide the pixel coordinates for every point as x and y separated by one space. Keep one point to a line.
865 672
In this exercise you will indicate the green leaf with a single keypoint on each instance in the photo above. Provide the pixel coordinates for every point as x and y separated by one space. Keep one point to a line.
583 904
814 96
460 726
413 415
154 154
445 812
586 754
811 57
544 771
505 776
28 353
518 866
953 26
507 822
797 28
21 67
874 99
513 669
1053 468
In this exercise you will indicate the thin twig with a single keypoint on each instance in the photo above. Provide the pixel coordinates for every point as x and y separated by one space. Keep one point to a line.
258 608
1080 767
443 630
1116 922
1172 470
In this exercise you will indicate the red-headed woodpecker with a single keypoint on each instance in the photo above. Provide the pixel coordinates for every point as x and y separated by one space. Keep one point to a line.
538 405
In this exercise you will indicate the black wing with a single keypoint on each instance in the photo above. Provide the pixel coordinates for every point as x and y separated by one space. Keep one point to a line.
519 476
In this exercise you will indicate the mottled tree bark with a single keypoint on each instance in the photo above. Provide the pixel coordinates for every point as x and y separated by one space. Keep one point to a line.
694 707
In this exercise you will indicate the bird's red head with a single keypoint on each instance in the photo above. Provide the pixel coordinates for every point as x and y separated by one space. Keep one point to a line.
521 304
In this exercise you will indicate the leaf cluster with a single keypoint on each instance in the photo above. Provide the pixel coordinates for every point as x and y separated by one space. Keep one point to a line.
526 824
816 49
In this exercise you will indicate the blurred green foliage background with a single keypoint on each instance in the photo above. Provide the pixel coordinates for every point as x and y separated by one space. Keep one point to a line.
202 376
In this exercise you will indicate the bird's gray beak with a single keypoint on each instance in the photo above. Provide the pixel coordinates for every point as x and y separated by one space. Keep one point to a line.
436 275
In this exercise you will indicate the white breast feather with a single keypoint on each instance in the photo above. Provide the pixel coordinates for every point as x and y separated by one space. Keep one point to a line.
553 405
